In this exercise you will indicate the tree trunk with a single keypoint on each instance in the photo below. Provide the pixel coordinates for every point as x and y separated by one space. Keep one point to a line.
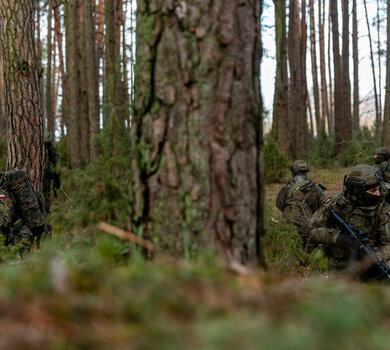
347 128
324 94
83 88
73 84
297 87
313 50
331 121
338 80
280 108
197 176
378 121
378 23
92 74
58 34
115 123
386 112
22 84
3 110
49 105
355 56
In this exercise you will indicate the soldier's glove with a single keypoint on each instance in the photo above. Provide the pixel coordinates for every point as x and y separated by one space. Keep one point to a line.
345 242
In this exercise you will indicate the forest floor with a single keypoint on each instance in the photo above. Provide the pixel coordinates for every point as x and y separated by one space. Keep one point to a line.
75 293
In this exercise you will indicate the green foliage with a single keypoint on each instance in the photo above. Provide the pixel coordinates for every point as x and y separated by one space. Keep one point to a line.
360 150
322 151
284 246
100 192
276 164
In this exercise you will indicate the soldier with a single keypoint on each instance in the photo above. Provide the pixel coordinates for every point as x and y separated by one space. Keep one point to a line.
382 164
299 199
362 205
21 219
51 177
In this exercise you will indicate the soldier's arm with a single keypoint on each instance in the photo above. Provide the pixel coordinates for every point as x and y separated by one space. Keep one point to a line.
281 197
319 231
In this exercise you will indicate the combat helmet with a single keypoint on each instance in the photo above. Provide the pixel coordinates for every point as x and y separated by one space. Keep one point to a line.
381 154
358 181
299 167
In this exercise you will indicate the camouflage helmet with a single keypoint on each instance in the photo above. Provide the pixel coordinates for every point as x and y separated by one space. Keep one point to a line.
381 154
299 166
360 179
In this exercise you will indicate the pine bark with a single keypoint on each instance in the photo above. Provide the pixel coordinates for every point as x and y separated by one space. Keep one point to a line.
347 118
378 120
73 84
280 106
92 74
48 100
22 85
338 80
83 87
355 57
314 70
197 127
386 111
297 85
325 117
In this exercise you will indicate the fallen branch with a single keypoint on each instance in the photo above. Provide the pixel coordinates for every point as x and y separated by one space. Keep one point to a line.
116 231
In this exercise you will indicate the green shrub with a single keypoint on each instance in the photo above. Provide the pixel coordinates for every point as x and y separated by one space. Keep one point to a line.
322 151
276 164
360 150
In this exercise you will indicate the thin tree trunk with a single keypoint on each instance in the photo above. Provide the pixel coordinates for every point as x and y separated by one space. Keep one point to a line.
338 80
378 121
73 84
313 50
58 33
331 121
22 84
347 128
324 94
355 56
49 100
125 84
92 74
386 112
83 88
378 23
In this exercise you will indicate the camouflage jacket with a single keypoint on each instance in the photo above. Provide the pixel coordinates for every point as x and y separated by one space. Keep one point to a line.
384 169
374 220
298 201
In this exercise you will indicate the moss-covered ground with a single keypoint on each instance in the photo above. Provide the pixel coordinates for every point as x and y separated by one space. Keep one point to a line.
84 289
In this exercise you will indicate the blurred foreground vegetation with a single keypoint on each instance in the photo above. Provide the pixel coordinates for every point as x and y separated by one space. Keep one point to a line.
84 289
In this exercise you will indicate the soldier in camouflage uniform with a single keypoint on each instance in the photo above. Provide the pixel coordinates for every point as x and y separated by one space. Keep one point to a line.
382 164
21 219
299 199
362 205
51 177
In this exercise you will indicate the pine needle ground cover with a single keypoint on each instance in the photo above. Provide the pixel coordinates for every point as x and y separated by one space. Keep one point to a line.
84 289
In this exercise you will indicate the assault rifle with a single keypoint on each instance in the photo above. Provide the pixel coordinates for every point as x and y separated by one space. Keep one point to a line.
359 247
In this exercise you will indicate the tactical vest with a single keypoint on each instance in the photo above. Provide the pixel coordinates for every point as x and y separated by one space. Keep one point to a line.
17 182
